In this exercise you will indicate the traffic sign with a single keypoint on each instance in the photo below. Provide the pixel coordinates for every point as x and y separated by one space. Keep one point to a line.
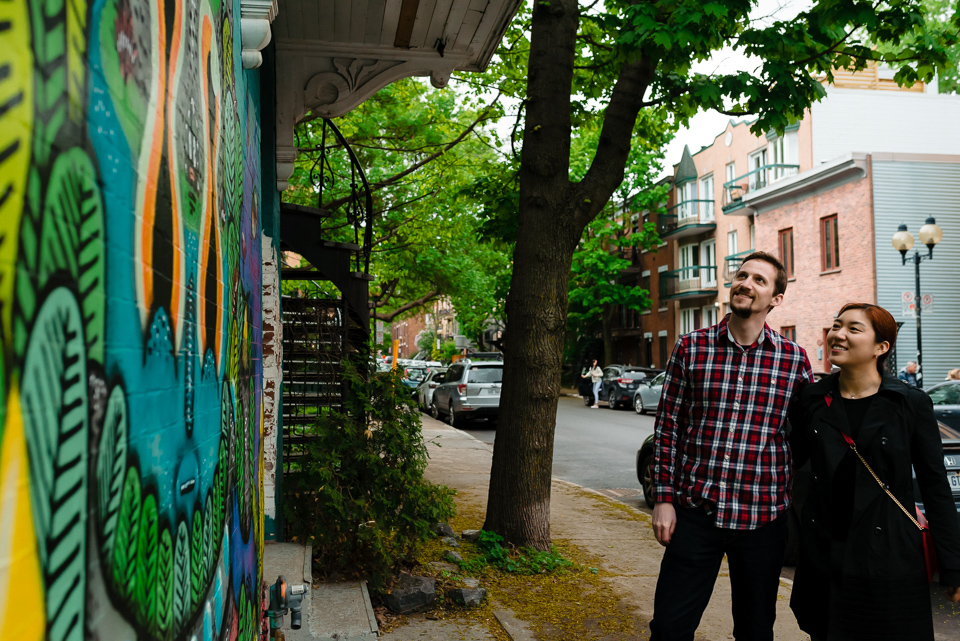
907 297
926 303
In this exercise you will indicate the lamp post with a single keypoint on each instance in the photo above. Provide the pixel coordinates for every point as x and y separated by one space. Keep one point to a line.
930 235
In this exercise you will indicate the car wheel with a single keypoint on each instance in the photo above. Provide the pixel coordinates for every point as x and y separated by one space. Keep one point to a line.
434 410
452 418
638 404
611 401
645 476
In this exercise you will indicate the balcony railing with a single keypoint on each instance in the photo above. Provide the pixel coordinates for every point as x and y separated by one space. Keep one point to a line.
731 264
688 216
736 189
688 282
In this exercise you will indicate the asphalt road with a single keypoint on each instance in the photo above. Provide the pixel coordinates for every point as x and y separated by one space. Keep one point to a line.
597 448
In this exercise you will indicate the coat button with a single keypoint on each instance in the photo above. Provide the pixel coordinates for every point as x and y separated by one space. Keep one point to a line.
878 531
886 487
815 431
883 441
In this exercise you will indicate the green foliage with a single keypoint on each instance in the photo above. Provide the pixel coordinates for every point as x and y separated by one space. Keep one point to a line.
146 565
448 349
164 622
128 536
942 15
361 497
516 561
427 341
111 464
181 575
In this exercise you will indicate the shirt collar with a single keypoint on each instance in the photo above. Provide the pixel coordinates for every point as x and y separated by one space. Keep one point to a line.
724 332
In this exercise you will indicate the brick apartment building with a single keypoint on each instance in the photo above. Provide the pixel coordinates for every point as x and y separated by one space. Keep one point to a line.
826 196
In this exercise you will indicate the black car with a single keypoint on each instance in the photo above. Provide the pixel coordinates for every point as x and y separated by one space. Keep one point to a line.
951 459
620 383
946 403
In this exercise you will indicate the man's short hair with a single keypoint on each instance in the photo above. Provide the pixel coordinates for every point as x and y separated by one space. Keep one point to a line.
780 283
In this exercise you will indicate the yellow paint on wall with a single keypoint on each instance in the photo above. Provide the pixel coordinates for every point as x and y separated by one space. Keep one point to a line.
16 126
19 564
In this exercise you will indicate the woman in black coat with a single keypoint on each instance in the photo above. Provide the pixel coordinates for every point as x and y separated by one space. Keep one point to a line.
861 572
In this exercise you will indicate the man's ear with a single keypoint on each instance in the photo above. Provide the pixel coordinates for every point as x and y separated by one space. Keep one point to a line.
777 300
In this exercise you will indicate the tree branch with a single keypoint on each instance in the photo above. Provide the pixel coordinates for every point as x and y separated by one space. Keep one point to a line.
388 317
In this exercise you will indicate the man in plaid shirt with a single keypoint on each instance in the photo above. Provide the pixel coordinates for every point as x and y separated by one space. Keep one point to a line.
721 465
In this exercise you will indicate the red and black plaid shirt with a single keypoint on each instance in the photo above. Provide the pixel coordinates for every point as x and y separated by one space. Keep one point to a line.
720 436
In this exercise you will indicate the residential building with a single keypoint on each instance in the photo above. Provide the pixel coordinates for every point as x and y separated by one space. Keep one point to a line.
825 196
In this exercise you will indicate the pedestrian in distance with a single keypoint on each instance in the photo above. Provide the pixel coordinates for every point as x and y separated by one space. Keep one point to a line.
910 374
721 463
861 572
595 374
953 375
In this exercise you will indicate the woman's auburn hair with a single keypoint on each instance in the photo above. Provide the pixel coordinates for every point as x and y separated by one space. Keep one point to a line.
884 326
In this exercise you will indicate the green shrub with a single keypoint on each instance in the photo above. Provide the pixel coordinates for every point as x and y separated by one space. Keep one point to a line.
517 561
360 497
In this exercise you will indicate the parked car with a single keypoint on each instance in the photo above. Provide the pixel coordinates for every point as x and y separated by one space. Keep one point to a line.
646 398
429 384
946 402
470 390
413 376
951 460
621 381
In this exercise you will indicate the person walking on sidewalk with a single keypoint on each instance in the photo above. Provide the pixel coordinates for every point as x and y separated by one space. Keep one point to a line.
596 377
721 461
861 573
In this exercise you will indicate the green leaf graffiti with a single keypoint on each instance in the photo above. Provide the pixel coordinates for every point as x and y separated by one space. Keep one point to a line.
208 536
197 569
146 566
111 463
245 627
181 575
72 239
127 536
164 592
54 401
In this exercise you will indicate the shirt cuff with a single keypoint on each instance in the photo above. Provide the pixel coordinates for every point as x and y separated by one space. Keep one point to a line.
662 494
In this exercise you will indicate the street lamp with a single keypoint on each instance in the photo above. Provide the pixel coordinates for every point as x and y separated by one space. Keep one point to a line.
930 235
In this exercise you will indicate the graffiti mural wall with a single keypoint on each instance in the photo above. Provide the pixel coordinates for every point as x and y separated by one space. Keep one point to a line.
131 503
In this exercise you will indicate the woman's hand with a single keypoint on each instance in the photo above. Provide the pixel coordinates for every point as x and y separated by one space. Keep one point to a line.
953 595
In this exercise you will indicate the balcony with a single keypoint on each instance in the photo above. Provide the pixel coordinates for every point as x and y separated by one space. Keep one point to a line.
688 282
731 264
736 189
687 218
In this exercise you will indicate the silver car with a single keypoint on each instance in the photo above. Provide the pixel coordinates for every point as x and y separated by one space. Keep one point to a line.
430 383
647 396
469 390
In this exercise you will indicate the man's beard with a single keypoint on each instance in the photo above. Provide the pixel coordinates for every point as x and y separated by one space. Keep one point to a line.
745 312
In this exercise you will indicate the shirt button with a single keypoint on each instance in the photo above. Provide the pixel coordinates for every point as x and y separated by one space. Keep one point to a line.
740 379
736 403
883 441
878 531
726 457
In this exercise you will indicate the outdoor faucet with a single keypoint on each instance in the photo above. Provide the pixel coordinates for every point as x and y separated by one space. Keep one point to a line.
284 598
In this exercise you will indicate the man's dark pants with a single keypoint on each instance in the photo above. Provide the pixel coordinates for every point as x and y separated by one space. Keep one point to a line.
689 570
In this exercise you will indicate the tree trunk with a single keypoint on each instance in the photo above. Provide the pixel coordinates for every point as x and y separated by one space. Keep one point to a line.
552 216
606 319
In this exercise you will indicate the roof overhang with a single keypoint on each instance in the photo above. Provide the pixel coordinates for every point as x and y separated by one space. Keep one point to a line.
331 55
831 174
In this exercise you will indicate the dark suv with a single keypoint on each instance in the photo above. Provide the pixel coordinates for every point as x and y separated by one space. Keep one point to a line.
620 383
469 390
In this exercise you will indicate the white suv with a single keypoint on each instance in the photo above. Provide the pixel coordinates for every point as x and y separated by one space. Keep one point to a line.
469 390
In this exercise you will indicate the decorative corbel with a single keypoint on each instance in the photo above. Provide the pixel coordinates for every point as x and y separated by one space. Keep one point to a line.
255 19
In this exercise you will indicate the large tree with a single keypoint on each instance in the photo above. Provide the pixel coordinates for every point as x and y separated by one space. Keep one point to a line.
613 61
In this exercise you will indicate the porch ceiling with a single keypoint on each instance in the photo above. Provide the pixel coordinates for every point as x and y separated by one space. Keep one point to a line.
334 54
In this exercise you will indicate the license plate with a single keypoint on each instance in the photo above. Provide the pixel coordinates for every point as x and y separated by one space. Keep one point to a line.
955 481
489 392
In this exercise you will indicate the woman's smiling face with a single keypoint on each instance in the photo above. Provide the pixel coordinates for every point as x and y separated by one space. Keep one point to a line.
853 341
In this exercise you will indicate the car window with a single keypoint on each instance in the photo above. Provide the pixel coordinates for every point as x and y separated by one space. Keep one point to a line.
637 376
658 380
946 395
453 374
416 373
609 371
486 375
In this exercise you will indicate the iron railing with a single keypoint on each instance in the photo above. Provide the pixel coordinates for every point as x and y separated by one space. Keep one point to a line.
734 190
699 280
731 264
357 204
684 214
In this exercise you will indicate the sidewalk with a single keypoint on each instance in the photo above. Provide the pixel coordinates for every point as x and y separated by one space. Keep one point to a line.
617 534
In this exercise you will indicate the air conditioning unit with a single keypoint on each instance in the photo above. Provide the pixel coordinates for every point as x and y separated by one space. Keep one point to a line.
461 341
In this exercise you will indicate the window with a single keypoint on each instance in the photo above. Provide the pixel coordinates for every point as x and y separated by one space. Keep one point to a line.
789 332
732 243
785 152
687 194
706 194
709 316
758 175
829 243
753 236
689 260
786 250
730 175
664 354
948 394
687 321
708 258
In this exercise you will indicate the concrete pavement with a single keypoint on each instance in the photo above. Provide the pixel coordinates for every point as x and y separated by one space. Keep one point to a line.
604 528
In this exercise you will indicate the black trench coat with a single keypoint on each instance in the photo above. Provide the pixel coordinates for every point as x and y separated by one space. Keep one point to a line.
874 584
